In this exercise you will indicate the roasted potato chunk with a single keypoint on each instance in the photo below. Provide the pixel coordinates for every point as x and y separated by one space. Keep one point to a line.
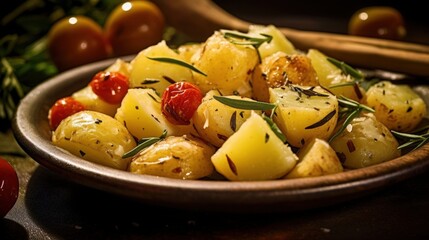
148 73
216 122
365 142
228 66
304 113
280 69
398 107
182 157
316 158
253 153
95 137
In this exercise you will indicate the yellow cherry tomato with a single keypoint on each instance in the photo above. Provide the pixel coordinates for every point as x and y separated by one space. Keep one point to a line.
75 41
378 22
133 26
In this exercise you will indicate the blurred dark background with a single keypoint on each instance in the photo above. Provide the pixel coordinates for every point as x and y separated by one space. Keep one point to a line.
328 15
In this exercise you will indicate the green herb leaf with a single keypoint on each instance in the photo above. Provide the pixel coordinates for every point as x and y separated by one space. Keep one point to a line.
177 62
346 69
275 128
414 140
350 109
144 143
245 39
245 104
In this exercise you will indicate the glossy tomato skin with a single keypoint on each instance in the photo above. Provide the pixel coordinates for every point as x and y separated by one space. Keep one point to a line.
110 86
63 108
378 22
134 26
75 41
180 101
9 187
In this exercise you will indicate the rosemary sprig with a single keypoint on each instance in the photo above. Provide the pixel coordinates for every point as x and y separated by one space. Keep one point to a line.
177 62
346 69
245 39
144 143
350 109
245 104
255 105
414 140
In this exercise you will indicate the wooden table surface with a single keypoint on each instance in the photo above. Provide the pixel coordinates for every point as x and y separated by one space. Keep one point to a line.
52 207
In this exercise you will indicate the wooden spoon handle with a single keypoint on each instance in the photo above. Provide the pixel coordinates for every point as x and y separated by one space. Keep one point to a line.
199 19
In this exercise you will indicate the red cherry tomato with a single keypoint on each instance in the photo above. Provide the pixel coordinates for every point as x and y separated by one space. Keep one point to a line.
9 187
110 86
76 41
63 108
180 101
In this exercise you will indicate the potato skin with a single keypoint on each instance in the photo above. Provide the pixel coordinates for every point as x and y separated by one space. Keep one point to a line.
95 137
183 157
365 142
316 158
398 107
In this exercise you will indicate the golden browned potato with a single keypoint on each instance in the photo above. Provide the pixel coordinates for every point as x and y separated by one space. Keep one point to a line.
182 157
396 106
365 142
316 158
279 69
95 137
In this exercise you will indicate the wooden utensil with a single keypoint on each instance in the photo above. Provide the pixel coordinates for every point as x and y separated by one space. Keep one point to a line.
199 19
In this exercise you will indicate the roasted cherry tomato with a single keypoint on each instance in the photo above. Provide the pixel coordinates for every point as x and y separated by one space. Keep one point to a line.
76 41
63 108
9 187
110 86
180 101
133 26
377 22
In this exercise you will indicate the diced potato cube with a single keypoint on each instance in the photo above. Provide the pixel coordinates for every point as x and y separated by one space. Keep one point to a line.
279 43
253 153
228 66
316 158
140 112
332 78
148 73
304 113
92 102
215 122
